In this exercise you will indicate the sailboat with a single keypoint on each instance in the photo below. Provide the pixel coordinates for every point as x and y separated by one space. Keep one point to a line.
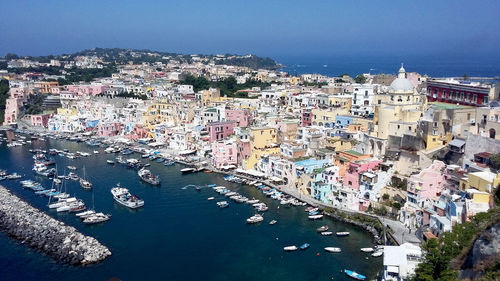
84 182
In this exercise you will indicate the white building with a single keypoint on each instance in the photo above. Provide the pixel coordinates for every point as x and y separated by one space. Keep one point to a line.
362 98
400 262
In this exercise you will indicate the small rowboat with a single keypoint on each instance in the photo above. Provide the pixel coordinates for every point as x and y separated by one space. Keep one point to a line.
354 275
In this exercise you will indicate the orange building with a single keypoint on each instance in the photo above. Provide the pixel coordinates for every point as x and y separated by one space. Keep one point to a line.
343 158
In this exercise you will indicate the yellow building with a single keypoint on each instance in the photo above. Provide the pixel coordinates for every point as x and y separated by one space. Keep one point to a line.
322 116
67 111
484 181
157 113
209 96
398 110
338 144
263 141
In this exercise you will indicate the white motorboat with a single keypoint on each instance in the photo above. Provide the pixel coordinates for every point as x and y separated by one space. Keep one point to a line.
273 222
96 218
315 217
343 233
188 170
333 249
290 248
255 219
85 214
378 254
210 198
322 228
367 250
123 197
326 233
62 202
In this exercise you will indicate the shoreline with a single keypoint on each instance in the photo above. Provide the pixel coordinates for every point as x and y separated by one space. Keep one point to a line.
396 233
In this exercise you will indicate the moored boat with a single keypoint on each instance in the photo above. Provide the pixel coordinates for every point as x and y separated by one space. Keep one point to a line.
333 249
273 222
343 233
367 250
354 274
148 177
322 228
290 248
188 170
255 219
315 217
326 233
223 204
305 246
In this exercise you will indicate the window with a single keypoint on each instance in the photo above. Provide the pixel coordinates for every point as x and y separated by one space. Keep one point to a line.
485 100
379 102
467 96
435 132
366 93
474 98
435 124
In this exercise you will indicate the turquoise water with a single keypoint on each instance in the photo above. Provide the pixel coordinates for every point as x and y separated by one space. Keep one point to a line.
179 234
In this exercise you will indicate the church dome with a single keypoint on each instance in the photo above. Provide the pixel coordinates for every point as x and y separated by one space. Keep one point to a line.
401 84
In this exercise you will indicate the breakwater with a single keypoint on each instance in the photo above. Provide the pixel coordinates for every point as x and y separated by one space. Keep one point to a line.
52 237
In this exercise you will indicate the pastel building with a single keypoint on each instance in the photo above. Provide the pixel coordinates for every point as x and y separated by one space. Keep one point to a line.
40 120
242 117
86 90
108 129
356 169
220 130
224 154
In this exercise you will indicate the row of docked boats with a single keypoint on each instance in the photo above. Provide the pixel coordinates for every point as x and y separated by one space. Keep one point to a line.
4 175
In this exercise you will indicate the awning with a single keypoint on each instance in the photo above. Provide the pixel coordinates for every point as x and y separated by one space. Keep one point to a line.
393 269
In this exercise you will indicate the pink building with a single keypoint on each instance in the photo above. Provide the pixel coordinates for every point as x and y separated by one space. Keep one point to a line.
86 90
108 129
427 185
40 120
242 117
17 98
356 168
220 130
244 150
224 154
139 132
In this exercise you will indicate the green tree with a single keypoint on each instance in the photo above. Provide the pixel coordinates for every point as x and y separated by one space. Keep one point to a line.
385 197
4 94
494 161
360 79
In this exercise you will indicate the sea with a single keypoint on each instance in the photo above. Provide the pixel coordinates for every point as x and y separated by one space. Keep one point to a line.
178 234
432 65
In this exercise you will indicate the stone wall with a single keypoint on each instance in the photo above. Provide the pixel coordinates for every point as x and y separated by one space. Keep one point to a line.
40 231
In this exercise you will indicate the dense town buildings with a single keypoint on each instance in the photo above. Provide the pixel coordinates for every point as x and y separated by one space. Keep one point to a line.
345 144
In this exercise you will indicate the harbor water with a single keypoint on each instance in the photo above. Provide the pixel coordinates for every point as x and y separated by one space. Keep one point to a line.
178 234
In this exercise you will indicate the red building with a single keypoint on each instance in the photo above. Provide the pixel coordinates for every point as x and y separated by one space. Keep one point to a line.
306 116
458 92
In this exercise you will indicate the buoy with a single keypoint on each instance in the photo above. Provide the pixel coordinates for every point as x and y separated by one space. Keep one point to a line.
317 254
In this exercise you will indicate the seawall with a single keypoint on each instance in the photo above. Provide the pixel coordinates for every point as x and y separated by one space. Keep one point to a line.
39 231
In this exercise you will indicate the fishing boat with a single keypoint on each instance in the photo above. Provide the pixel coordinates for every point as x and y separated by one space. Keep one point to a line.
273 222
148 177
123 197
223 204
305 246
188 170
322 228
290 248
343 233
367 250
255 219
84 183
315 217
326 233
354 274
333 249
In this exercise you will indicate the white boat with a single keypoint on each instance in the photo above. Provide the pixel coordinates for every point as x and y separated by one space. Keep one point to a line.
85 214
123 197
326 233
71 167
333 249
315 217
188 170
84 183
322 228
273 222
367 250
343 233
62 202
290 248
378 254
255 219
96 152
210 198
222 204
110 161
96 218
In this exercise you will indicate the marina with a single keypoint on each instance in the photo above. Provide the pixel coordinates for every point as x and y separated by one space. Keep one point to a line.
170 223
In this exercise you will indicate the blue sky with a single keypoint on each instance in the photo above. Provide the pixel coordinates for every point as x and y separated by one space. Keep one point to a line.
268 28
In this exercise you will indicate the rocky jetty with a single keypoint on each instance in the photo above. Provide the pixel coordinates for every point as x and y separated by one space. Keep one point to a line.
40 231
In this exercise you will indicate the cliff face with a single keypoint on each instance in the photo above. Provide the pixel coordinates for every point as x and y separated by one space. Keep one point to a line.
484 254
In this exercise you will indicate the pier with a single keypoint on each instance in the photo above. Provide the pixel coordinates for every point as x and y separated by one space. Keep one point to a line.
39 231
